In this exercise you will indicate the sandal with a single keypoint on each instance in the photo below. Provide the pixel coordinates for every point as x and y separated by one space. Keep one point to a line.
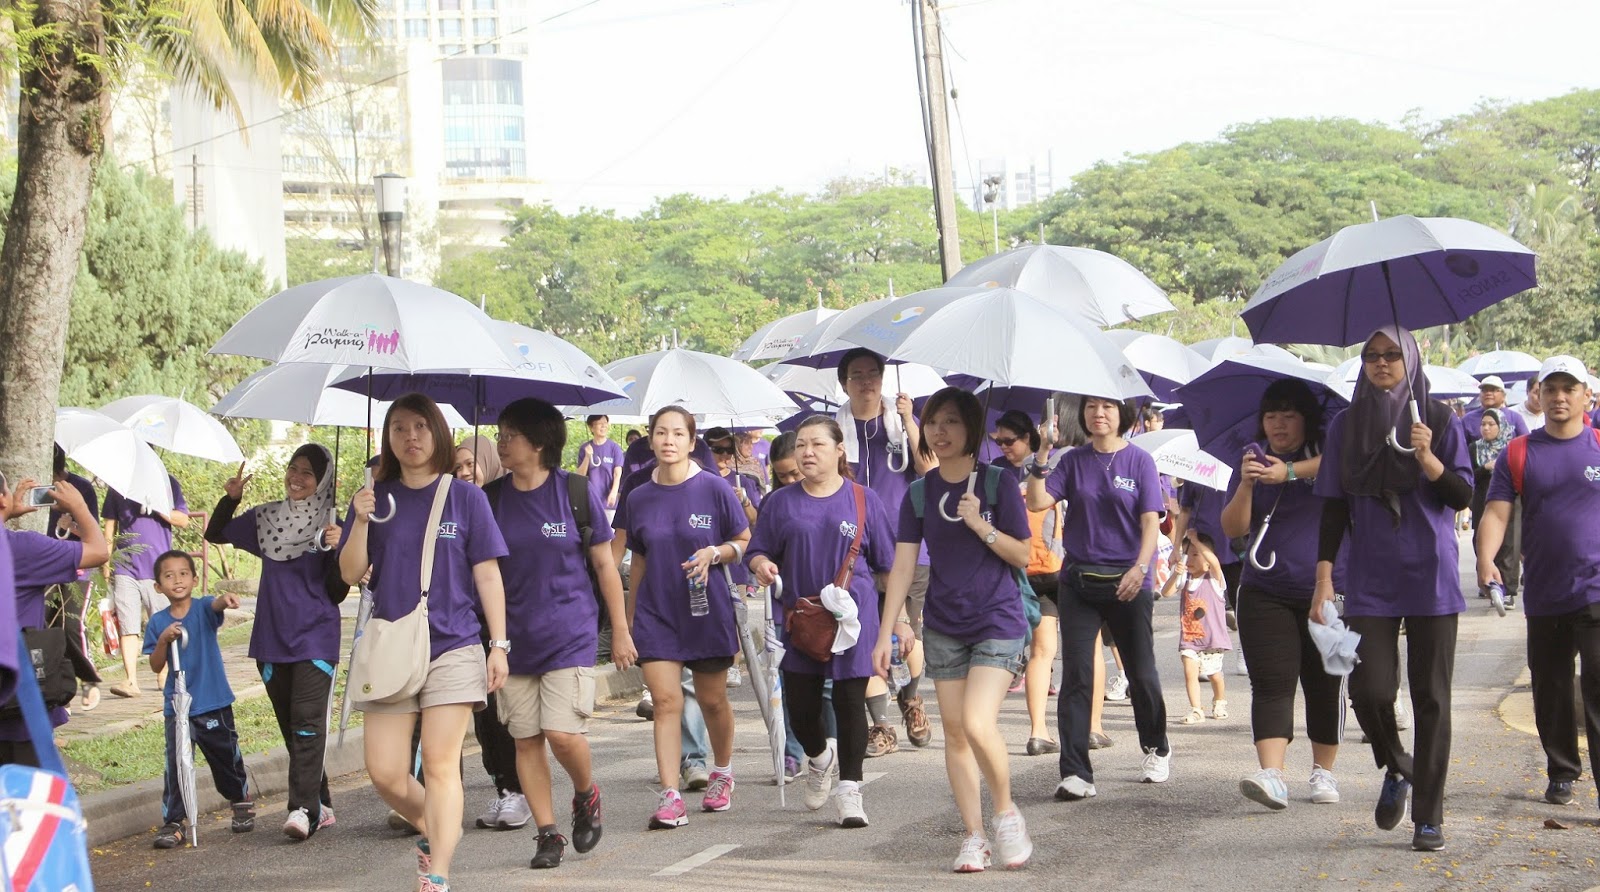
1196 716
123 690
91 697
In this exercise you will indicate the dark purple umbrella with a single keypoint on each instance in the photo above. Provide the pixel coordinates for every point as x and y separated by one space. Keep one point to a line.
1222 404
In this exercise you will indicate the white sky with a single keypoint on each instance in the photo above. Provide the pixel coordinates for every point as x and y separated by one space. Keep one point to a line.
642 98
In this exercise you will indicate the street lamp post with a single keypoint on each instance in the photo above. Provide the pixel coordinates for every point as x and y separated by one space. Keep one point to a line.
391 191
991 197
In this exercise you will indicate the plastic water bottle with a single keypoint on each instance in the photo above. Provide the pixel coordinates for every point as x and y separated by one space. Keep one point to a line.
699 605
899 672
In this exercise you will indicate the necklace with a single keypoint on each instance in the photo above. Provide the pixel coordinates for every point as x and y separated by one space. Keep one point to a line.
1111 458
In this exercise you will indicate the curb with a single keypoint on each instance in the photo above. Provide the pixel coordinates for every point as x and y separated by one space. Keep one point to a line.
135 809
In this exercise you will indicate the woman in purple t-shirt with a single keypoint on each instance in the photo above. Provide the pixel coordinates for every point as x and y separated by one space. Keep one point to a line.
295 640
679 524
416 454
974 627
1397 489
807 532
1114 505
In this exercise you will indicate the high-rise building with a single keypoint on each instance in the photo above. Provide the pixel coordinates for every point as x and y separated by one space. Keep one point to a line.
1020 183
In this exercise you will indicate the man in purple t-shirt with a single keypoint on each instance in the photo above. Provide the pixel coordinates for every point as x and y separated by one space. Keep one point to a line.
1560 489
132 576
601 460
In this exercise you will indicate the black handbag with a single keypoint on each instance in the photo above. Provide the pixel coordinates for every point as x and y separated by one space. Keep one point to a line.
52 668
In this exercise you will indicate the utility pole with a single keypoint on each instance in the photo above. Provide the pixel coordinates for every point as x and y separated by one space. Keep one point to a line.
936 129
194 192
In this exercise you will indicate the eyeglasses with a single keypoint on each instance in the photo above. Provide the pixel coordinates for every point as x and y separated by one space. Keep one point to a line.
1005 442
863 377
1372 357
722 450
505 435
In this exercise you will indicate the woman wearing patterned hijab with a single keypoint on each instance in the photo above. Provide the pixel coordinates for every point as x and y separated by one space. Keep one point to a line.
295 642
1395 484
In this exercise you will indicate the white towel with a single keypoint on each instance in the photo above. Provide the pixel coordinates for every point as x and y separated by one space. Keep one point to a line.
1335 641
839 602
893 429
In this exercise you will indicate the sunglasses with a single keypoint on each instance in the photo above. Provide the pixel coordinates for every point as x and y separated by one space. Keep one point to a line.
722 450
1372 357
1005 442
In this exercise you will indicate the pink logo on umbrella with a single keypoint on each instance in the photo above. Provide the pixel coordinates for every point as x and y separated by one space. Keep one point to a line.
382 343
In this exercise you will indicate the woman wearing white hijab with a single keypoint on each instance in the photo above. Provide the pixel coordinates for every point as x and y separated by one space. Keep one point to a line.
295 642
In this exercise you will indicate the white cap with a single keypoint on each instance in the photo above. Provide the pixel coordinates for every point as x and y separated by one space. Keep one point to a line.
1564 365
1492 381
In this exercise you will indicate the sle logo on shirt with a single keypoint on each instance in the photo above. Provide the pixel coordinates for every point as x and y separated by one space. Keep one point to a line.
1591 474
554 530
448 530
699 521
1126 484
847 529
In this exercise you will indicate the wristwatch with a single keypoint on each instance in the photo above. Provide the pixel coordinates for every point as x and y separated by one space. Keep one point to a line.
994 535
503 643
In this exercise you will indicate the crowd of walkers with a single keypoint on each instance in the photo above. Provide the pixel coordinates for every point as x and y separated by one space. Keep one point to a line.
951 549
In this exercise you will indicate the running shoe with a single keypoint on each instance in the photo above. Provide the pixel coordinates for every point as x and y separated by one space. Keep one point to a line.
670 812
719 795
1117 688
847 799
1324 786
1074 788
1428 838
1391 801
918 729
515 813
881 741
298 825
647 708
819 781
735 677
792 769
1402 718
551 847
490 819
1012 847
974 856
1266 787
244 816
1558 793
586 827
1156 768
424 857
432 882
694 776
170 836
1018 683
325 818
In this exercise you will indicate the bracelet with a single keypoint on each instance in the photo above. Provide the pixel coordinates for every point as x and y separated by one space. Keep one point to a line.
1290 466
1039 471
716 555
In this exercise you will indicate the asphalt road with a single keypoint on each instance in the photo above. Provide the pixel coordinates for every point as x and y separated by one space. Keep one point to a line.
1194 831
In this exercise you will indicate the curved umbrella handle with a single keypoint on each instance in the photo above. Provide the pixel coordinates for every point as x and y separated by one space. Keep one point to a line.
316 541
777 588
373 518
904 453
61 532
972 483
1394 435
1255 560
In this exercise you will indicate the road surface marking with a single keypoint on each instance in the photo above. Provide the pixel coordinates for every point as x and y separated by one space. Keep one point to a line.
693 861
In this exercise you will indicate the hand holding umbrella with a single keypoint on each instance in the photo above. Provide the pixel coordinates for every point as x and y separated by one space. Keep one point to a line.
366 503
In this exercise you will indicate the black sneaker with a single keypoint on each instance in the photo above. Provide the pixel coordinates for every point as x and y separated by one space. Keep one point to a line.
1428 838
1558 793
586 827
1392 803
551 848
244 816
170 836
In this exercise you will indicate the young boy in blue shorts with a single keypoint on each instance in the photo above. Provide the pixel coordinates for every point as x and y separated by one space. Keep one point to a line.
211 711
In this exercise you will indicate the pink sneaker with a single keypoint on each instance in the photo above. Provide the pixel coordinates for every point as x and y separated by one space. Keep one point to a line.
719 796
670 812
424 858
325 818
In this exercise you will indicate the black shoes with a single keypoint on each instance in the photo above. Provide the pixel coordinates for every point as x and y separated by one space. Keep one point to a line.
551 848
586 827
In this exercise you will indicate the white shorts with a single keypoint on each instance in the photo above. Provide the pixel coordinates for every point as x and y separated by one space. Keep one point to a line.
133 599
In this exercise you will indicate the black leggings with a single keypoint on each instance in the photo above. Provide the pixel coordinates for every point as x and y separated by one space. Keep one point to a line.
804 694
1273 629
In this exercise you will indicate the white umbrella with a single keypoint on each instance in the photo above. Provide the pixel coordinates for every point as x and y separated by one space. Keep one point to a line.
370 320
175 425
1101 288
1443 382
1165 362
1178 453
1012 339
915 379
301 393
779 336
702 383
115 454
1501 362
1216 350
888 325
821 347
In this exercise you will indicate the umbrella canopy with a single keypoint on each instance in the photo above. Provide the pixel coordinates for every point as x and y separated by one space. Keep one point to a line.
1164 362
804 384
888 325
820 348
1178 453
1443 382
702 383
115 454
1009 338
1223 403
778 337
1101 288
370 320
181 702
301 393
175 425
1412 271
1216 350
1505 363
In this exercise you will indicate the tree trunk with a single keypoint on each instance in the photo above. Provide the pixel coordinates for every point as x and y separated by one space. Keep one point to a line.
60 129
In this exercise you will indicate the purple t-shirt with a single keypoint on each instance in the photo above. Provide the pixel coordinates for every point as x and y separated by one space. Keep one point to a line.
1560 500
146 529
808 537
1205 515
1406 567
295 620
1472 423
1105 500
552 618
467 536
972 593
604 462
1293 536
761 451
38 562
667 524
873 469
8 622
752 491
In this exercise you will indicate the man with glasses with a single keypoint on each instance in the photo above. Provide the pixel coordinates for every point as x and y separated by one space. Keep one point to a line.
1492 395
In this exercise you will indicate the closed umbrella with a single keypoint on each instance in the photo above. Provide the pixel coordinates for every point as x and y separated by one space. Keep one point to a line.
778 337
1101 288
181 701
766 679
1505 363
1176 452
116 454
175 425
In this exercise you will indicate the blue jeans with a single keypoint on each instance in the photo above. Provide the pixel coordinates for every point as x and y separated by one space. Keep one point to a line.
696 739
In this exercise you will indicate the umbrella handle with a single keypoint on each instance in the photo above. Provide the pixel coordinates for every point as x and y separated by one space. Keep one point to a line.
61 532
1272 559
905 456
316 541
175 647
972 483
373 518
1394 435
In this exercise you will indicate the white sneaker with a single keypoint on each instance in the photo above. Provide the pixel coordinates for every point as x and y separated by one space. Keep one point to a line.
1324 786
514 812
1117 688
847 799
1266 787
1012 847
694 776
974 857
1156 768
298 826
490 819
735 677
1074 788
1402 719
819 781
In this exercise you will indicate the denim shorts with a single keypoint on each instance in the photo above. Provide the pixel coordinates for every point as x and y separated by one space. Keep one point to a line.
945 658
